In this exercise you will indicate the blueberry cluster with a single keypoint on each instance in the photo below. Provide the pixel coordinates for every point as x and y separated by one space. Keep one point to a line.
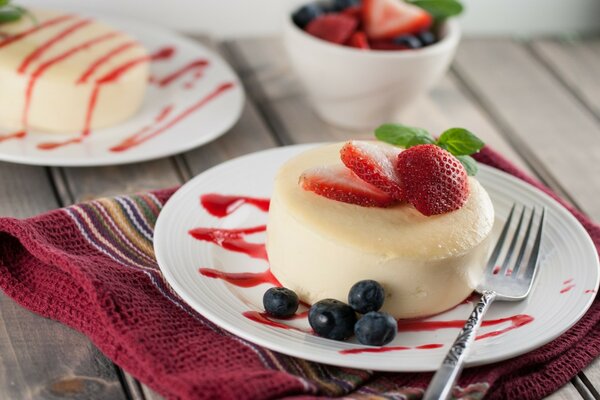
333 319
417 41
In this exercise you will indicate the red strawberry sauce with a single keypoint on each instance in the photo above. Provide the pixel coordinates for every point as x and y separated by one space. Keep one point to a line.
197 66
390 348
263 318
222 205
242 279
137 139
234 240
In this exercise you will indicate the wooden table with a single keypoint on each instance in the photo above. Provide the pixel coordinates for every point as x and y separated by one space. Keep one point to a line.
538 102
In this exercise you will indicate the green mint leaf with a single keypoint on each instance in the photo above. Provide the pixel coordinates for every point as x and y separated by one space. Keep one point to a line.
10 14
440 9
460 142
403 135
469 163
420 139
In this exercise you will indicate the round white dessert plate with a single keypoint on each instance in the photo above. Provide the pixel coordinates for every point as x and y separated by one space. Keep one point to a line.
564 289
170 104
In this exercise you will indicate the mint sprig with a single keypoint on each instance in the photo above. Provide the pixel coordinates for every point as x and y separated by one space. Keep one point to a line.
11 13
458 141
439 9
403 135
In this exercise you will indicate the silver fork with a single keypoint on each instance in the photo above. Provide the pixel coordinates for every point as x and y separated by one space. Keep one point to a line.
495 285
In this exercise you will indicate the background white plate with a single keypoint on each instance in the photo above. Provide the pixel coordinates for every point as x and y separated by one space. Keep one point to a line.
208 123
564 290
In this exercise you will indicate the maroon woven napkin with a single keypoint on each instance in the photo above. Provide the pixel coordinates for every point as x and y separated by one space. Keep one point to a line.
91 266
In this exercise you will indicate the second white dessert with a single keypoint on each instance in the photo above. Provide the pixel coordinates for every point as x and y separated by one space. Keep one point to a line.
49 71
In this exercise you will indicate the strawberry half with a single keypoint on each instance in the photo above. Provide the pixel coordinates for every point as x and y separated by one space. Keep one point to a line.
337 182
386 19
334 28
432 179
374 163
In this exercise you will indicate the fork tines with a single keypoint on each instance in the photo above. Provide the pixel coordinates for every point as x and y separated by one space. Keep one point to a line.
518 242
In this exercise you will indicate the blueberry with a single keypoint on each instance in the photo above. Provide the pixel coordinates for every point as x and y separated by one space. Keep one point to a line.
410 41
426 38
332 319
341 5
327 7
280 302
307 13
366 296
376 329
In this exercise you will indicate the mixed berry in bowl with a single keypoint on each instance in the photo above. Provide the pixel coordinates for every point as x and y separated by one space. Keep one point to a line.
376 24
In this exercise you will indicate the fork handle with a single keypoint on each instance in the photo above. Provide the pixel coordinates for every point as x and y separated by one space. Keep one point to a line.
440 387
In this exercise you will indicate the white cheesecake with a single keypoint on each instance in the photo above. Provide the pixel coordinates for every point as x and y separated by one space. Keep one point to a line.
320 247
49 71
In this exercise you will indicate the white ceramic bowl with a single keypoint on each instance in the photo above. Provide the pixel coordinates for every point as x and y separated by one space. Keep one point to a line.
360 89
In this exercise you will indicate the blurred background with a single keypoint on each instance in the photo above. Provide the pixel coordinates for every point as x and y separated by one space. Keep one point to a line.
234 18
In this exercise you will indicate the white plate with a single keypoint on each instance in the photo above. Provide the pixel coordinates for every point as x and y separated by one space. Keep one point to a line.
564 290
200 127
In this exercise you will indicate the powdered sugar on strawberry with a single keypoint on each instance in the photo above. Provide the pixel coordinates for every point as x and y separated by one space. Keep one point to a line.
375 163
336 182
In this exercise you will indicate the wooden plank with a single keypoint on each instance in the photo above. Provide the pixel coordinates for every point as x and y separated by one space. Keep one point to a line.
282 101
592 373
41 358
568 392
88 183
584 387
26 191
135 390
589 375
248 135
545 123
576 63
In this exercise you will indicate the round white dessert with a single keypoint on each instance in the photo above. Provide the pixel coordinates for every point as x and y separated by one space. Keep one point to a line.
320 247
56 53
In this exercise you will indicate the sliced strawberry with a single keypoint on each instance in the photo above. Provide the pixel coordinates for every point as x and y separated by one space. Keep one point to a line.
337 182
432 179
386 19
334 28
353 11
374 163
359 40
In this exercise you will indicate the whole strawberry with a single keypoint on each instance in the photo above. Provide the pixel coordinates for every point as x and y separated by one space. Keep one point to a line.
432 179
